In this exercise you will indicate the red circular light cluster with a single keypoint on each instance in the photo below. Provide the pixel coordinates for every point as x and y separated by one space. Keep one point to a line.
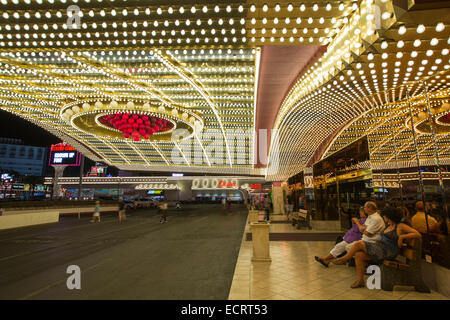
445 118
136 126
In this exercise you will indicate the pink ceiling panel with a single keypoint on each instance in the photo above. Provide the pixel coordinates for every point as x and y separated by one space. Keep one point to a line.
280 67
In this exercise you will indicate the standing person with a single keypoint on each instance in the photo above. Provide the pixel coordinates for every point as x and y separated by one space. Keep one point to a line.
287 205
96 215
224 203
163 212
267 210
122 214
352 235
229 205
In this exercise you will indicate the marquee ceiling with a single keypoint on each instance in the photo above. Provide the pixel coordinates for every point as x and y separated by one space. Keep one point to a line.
195 66
387 46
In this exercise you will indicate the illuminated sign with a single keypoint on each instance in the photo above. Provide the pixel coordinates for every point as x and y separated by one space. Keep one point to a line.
256 186
98 170
64 154
154 191
214 183
177 174
6 176
227 184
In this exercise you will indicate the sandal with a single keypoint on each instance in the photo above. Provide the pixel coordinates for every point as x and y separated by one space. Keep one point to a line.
357 284
321 261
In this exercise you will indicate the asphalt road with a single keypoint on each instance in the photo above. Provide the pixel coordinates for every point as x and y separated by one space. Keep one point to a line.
190 257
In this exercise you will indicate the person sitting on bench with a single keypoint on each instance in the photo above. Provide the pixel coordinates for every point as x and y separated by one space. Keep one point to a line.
420 219
351 236
387 248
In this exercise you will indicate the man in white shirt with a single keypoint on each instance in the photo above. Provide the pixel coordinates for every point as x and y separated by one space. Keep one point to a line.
374 225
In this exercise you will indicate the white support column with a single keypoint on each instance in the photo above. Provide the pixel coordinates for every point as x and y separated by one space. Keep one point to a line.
278 200
59 170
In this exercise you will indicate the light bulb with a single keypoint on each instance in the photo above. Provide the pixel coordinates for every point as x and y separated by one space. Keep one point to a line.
420 28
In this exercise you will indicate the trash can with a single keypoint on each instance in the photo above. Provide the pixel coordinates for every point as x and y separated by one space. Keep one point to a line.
260 240
253 216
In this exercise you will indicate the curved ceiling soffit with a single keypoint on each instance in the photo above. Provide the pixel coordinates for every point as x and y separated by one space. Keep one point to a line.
329 67
393 101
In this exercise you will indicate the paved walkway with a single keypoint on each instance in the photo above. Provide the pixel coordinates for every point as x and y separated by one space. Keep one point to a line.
293 274
190 257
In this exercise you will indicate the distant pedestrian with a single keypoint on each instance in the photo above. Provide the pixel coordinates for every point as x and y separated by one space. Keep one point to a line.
163 212
229 205
224 203
96 215
122 213
267 210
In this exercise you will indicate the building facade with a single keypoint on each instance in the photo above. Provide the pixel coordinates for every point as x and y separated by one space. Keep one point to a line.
25 160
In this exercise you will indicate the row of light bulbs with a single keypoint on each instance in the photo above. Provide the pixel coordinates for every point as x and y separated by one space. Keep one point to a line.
68 113
182 10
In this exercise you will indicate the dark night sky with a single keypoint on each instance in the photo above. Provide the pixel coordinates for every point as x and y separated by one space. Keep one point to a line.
12 126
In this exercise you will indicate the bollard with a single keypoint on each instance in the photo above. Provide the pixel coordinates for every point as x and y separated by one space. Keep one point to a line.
260 240
253 216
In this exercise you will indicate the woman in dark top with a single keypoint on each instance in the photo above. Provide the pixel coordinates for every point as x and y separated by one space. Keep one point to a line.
386 248
406 216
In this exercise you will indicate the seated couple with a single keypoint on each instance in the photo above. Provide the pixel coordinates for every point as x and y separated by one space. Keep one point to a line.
378 241
352 235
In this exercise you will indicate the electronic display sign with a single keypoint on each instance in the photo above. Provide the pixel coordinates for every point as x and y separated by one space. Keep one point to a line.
154 191
64 155
97 171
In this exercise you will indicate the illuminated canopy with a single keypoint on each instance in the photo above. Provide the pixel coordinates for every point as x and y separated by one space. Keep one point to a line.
65 64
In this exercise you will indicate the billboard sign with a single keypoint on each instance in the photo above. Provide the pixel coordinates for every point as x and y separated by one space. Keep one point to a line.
64 155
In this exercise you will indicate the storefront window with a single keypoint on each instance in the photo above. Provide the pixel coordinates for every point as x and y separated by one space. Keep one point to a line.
342 183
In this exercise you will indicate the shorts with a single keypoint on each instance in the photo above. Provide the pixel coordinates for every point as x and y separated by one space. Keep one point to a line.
97 214
122 213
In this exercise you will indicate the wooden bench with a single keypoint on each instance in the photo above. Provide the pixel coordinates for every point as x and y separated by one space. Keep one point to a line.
406 269
301 219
